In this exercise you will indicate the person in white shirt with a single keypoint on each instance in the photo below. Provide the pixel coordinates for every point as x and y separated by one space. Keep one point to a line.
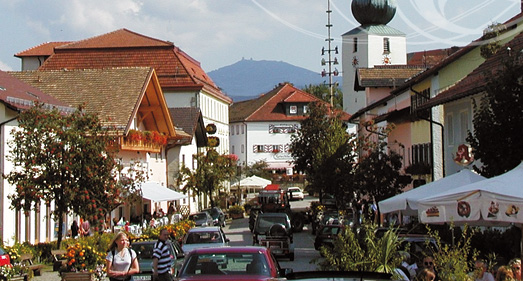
480 272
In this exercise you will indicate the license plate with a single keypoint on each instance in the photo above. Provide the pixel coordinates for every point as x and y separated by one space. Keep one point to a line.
142 277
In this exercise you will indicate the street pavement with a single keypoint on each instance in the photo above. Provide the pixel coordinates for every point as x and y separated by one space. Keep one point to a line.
239 234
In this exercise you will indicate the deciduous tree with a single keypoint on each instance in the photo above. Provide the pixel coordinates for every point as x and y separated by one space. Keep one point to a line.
324 150
496 140
65 159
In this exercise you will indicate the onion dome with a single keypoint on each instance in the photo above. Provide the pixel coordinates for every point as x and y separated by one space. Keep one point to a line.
373 12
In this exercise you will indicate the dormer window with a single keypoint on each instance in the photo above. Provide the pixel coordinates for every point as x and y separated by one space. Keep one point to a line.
293 109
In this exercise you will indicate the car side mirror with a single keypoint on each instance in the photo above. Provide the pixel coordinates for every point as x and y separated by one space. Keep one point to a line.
285 271
227 240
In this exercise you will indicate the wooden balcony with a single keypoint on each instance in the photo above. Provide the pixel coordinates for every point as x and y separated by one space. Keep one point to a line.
129 145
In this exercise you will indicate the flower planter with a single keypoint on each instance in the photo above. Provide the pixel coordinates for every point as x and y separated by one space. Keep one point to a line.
77 276
236 215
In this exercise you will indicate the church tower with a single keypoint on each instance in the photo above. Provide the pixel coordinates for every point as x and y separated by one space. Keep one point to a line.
372 43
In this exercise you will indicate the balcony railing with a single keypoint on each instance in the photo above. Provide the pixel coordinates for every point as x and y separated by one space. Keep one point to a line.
127 144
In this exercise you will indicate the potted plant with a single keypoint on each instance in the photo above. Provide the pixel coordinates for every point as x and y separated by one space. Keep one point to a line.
84 263
236 211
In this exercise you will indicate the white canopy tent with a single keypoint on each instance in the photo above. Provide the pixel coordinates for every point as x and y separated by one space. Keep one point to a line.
490 202
407 202
155 192
251 182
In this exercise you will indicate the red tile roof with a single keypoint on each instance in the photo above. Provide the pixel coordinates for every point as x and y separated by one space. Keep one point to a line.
270 106
430 57
476 81
176 70
42 50
19 95
453 57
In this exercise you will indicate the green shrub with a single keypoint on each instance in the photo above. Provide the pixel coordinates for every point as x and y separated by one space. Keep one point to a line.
236 209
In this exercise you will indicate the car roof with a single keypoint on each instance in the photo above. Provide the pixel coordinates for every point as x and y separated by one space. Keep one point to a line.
230 249
273 215
204 229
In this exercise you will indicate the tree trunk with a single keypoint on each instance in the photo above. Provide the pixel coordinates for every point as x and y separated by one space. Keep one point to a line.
60 219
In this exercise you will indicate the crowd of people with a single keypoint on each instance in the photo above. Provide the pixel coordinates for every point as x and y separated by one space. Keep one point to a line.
427 270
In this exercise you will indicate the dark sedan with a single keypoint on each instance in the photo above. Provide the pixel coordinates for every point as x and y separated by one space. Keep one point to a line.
144 252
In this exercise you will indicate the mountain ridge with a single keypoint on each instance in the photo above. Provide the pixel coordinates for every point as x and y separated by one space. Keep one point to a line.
248 78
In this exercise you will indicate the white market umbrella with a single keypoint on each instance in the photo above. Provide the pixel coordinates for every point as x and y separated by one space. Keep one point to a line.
494 201
407 202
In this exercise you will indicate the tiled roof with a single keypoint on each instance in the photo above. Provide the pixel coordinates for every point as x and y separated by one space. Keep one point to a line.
121 38
190 120
430 57
450 59
385 76
476 81
176 70
269 107
113 93
42 50
20 95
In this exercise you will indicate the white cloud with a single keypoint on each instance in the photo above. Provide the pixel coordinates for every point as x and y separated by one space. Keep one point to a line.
5 67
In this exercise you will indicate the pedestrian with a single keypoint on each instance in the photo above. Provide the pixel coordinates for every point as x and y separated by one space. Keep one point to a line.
515 264
85 228
426 275
170 212
74 229
162 258
481 273
121 260
504 274
428 263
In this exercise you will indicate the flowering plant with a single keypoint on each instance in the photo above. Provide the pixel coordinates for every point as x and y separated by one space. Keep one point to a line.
84 258
7 272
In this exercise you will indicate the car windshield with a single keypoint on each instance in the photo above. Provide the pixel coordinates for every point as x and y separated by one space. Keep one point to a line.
229 263
265 222
144 251
2 252
330 230
204 237
196 217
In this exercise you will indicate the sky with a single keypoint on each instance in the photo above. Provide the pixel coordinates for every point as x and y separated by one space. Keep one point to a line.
219 33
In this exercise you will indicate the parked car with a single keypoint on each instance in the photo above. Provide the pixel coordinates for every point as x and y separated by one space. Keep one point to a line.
4 257
201 219
144 252
204 237
237 263
218 217
295 193
274 231
326 235
264 221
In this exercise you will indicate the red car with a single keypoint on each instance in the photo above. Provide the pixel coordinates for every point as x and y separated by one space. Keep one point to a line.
231 263
4 258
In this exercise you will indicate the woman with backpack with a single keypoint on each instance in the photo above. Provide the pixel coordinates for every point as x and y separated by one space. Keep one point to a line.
121 260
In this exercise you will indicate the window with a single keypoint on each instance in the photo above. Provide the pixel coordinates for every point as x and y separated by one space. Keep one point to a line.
243 129
305 109
237 129
232 130
293 109
242 149
259 149
464 128
450 129
421 154
232 149
386 46
355 45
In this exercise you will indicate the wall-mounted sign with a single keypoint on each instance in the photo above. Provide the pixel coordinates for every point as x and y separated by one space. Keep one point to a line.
463 155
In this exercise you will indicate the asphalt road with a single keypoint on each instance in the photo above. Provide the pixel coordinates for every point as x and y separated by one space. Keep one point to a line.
305 255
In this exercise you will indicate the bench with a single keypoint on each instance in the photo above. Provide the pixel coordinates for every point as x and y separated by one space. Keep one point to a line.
59 259
27 260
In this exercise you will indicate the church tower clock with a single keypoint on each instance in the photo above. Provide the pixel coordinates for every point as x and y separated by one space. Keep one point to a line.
371 44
